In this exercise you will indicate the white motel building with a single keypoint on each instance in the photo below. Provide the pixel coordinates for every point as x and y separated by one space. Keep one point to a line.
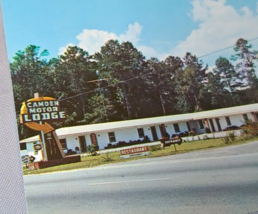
77 138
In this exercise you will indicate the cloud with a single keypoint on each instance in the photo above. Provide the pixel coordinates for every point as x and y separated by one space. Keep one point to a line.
132 34
93 40
220 25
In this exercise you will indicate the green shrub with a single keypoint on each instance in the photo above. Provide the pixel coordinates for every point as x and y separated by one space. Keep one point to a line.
226 139
245 136
106 158
92 149
231 136
250 128
155 148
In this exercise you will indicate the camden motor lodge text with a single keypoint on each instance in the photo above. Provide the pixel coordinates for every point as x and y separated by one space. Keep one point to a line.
43 111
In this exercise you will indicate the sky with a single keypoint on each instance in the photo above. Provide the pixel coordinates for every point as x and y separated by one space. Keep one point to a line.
157 28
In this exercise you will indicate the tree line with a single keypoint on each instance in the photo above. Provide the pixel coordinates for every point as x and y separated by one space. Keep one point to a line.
119 83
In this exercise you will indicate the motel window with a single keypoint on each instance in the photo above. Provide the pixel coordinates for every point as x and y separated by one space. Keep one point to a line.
63 143
176 127
112 137
140 132
23 146
228 121
201 124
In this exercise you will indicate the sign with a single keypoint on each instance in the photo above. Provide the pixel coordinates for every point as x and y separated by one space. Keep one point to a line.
133 152
168 142
25 159
36 114
173 141
37 147
40 127
41 109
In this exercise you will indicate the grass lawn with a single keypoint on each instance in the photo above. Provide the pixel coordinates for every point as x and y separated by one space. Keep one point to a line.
156 151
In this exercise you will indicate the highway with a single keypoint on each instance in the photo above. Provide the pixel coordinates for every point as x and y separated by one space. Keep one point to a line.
218 181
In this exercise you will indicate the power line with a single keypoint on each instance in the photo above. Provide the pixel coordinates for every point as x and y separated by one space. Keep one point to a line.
88 92
223 49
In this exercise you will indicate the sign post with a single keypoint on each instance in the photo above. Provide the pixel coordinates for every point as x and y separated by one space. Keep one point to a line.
169 141
43 144
44 155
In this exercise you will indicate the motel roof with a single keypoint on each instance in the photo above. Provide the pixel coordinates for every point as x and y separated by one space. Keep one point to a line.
111 126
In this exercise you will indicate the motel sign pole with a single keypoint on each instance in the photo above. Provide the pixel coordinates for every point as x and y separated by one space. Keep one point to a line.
12 198
43 144
36 95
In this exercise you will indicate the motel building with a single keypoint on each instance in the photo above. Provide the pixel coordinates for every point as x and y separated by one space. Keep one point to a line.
77 138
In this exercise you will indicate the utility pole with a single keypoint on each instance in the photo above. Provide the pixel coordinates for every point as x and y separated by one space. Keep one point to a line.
98 82
227 80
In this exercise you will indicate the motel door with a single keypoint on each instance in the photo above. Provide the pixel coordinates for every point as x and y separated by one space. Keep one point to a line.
93 139
154 133
82 142
163 130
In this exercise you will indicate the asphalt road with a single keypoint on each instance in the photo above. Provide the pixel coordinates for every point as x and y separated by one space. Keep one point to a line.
213 181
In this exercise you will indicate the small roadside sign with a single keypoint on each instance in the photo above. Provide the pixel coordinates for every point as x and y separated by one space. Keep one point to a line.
173 141
25 159
169 141
134 152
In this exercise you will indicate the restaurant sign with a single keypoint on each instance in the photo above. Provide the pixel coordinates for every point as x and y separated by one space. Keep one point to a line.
134 152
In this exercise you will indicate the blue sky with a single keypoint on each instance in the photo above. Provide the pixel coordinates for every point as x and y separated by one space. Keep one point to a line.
158 28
